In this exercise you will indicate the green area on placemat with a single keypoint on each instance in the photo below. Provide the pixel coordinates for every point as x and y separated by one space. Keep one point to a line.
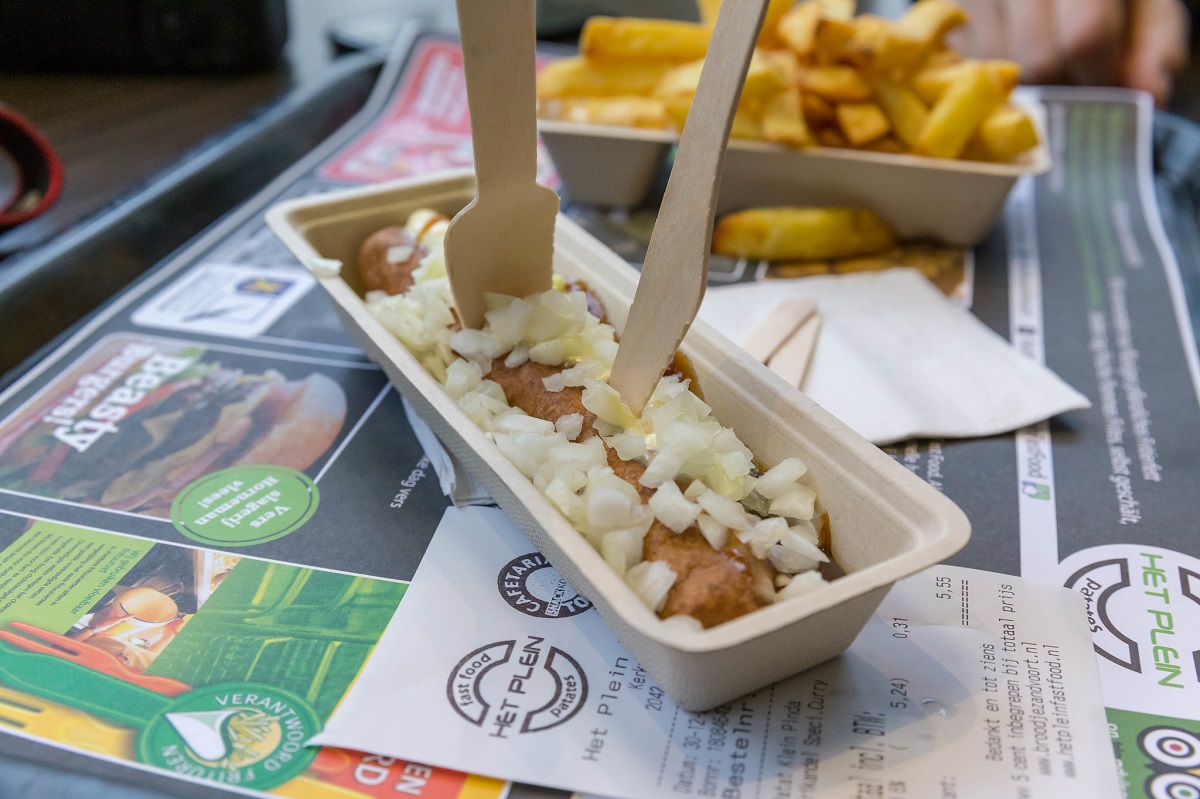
240 734
245 505
1157 755
53 574
302 630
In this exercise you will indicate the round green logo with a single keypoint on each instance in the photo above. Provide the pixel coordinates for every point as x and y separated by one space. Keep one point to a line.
239 734
245 505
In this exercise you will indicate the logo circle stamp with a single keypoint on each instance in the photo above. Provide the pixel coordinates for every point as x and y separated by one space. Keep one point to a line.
245 505
517 686
531 585
239 734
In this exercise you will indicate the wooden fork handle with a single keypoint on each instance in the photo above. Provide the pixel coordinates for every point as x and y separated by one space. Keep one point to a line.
499 41
676 268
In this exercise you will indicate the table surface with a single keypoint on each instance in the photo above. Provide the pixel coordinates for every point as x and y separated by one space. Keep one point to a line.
114 132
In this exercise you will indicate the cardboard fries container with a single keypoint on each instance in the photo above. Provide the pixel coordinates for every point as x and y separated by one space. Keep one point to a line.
940 199
886 523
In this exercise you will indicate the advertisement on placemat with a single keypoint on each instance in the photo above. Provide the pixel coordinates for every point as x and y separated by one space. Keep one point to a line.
202 663
225 446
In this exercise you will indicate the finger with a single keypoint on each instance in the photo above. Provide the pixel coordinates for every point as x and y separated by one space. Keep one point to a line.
1157 50
1034 40
986 34
1091 38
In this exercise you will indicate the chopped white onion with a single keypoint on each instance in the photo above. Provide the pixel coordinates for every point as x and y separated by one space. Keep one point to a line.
570 425
461 377
622 549
518 356
684 622
725 510
629 446
781 476
801 545
651 580
517 421
477 344
664 467
672 509
419 220
763 535
800 585
795 502
715 533
807 530
398 254
604 401
612 502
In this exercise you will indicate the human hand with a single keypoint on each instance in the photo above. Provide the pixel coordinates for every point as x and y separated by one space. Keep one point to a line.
1135 43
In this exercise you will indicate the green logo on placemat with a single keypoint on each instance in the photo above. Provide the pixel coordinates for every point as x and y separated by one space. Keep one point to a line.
245 505
239 734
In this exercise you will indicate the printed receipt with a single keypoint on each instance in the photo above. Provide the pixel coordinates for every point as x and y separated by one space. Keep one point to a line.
964 684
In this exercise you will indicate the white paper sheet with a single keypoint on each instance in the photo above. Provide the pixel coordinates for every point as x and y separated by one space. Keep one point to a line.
897 360
964 684
456 482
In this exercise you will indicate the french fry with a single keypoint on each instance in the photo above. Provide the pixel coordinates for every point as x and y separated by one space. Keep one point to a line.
820 75
904 109
931 82
832 41
955 116
838 9
677 110
1006 133
746 125
943 58
623 39
928 21
578 77
838 83
878 46
793 269
817 110
631 111
798 27
763 79
831 137
886 144
785 63
746 120
768 37
679 81
802 234
862 122
876 263
708 11
783 120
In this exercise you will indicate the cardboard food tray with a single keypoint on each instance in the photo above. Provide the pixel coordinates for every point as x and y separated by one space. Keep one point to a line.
947 200
886 523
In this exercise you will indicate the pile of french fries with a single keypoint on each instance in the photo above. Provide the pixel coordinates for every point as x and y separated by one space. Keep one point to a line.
819 76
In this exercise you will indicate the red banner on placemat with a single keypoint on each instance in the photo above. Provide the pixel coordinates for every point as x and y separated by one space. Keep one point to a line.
427 127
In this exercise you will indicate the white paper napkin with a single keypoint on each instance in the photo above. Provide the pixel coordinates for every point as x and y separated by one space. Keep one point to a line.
457 483
897 360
